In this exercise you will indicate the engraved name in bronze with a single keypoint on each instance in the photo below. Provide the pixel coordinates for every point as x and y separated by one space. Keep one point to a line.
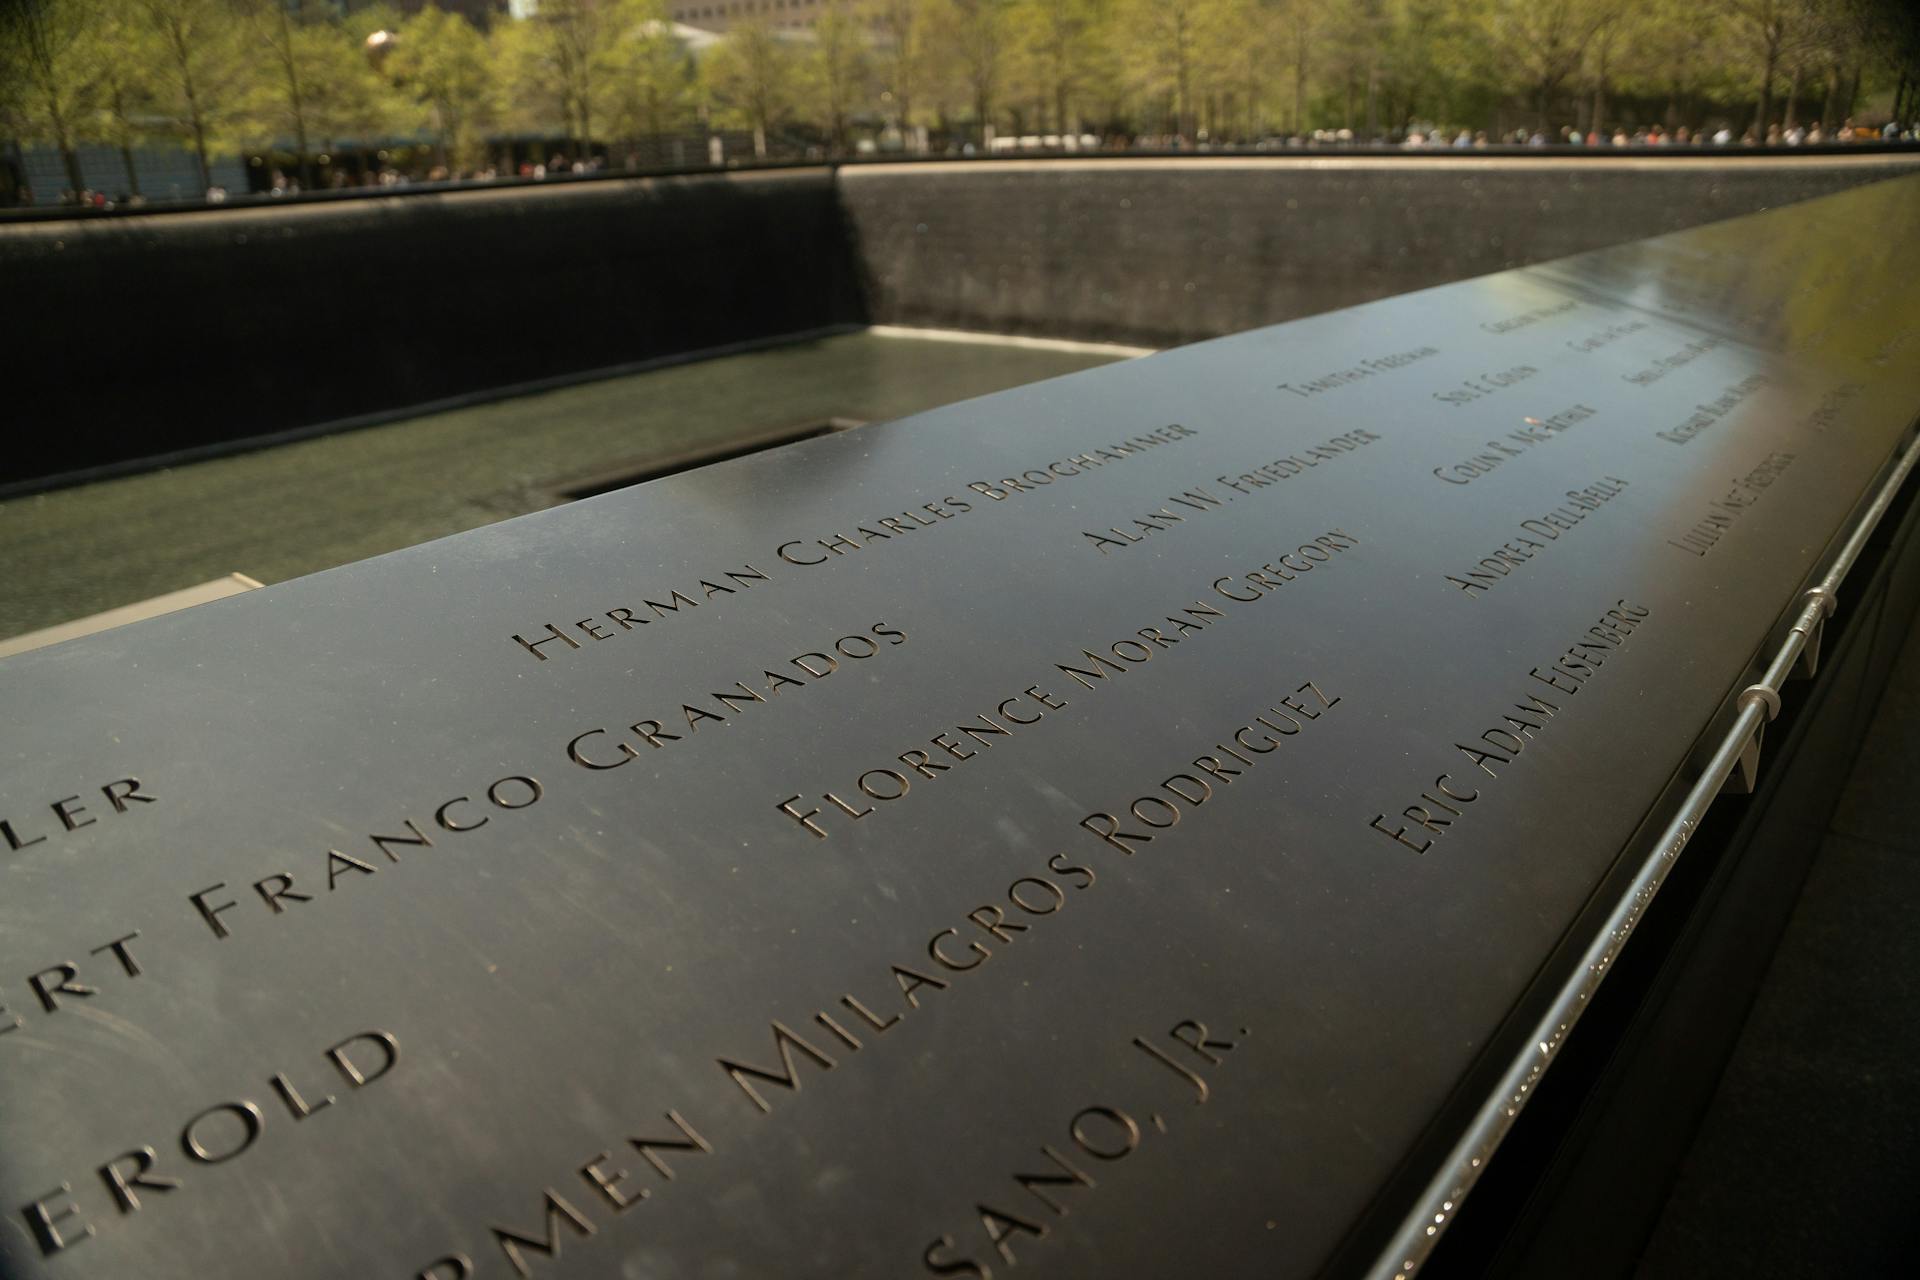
1442 805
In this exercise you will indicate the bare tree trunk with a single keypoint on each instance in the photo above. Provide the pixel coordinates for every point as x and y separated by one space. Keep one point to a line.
1793 97
74 177
295 98
126 149
1182 83
43 58
200 151
69 156
195 119
1300 82
1766 92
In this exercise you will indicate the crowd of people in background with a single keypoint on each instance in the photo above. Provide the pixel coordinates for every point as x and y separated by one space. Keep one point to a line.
1794 135
389 176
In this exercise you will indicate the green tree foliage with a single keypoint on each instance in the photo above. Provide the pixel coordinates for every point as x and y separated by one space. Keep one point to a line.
125 89
1063 53
1242 45
976 37
1434 69
288 59
1299 28
751 78
347 97
1666 54
313 82
443 64
557 65
1543 43
202 70
1161 45
297 76
838 75
650 76
1772 32
899 31
50 74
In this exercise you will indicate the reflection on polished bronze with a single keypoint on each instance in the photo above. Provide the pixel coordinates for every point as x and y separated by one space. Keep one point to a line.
1094 829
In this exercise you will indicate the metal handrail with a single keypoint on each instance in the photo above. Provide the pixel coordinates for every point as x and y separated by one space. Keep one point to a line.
1734 761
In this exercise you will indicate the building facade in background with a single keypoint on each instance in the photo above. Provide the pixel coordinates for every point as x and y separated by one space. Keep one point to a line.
718 15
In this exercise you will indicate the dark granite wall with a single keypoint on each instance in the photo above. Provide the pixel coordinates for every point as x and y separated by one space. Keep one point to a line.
130 338
1160 252
141 336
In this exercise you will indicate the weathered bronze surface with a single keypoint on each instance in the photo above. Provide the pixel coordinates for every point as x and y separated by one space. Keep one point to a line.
1092 829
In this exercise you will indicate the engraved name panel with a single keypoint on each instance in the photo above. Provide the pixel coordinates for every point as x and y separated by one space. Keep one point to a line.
1089 829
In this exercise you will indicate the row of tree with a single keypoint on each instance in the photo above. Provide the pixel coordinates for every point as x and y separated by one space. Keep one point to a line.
259 75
